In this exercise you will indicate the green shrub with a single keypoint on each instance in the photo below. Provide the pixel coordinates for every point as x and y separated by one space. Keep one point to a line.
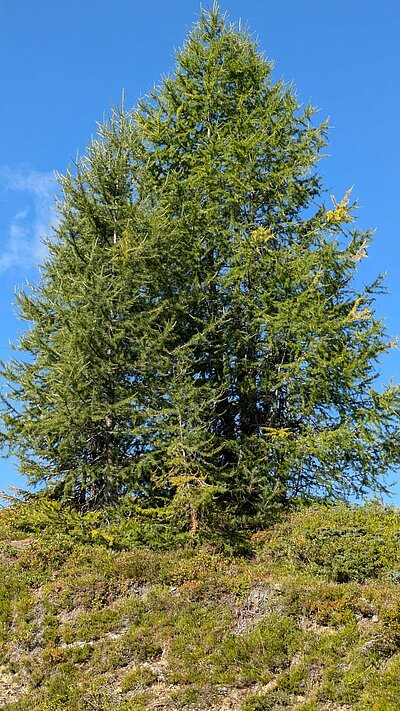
343 543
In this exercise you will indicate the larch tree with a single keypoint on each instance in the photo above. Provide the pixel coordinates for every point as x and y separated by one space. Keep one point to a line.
74 403
196 337
276 336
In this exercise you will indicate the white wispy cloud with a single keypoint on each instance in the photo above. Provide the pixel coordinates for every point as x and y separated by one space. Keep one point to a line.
22 245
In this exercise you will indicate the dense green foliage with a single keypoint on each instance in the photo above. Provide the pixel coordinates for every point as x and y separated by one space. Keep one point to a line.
196 338
79 395
271 326
91 622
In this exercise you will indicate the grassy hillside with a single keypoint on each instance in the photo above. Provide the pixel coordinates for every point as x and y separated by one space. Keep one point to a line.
93 618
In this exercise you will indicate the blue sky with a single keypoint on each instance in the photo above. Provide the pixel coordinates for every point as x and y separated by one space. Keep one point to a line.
65 63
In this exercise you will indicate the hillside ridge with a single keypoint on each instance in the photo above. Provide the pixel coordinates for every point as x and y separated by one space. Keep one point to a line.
307 619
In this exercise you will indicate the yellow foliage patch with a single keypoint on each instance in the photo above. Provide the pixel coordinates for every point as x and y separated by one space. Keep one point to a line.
277 432
341 212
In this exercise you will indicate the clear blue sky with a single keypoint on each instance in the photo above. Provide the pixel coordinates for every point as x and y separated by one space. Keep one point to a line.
64 63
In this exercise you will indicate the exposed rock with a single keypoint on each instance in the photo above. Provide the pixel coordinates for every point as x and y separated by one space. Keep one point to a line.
260 602
10 689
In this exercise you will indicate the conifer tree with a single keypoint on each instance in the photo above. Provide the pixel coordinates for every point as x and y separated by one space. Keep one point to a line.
262 271
75 400
196 337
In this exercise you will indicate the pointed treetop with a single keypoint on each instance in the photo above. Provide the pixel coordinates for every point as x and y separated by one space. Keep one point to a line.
213 22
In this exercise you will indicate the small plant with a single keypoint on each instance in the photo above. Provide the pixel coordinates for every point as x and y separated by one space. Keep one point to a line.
138 678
